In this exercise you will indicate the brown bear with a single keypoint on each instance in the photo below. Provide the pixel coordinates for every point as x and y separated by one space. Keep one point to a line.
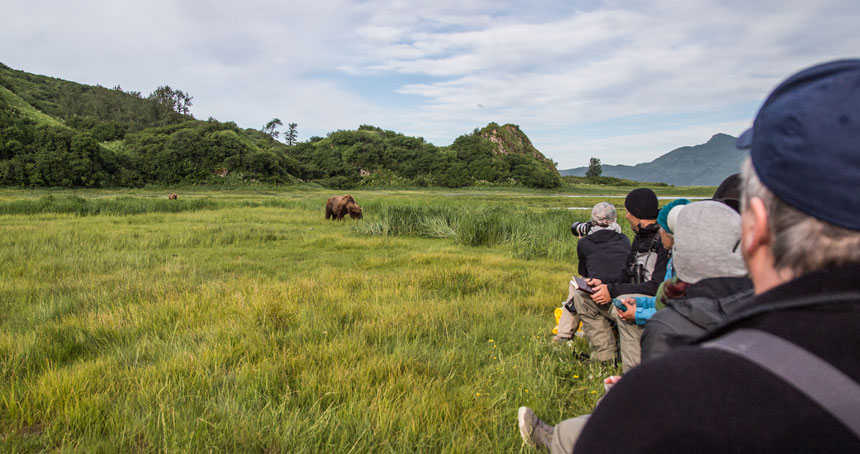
173 196
339 205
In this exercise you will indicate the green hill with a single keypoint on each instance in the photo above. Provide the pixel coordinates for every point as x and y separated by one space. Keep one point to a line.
132 140
371 155
13 101
707 164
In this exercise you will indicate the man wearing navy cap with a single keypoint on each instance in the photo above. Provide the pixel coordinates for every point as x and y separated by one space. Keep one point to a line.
781 375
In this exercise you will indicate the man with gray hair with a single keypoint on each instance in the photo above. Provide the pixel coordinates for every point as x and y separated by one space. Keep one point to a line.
602 254
781 375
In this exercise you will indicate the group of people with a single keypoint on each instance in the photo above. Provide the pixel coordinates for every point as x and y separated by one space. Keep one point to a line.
738 318
697 274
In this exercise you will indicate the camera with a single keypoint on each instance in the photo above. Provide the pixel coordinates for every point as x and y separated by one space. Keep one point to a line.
580 229
569 306
637 273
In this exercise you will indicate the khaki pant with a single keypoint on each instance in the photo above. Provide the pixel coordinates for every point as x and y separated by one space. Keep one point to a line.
595 323
568 323
566 433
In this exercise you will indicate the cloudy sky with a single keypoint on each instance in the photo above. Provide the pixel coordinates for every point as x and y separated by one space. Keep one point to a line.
624 81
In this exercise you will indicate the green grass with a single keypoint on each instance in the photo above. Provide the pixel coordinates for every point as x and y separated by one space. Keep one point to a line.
245 322
26 109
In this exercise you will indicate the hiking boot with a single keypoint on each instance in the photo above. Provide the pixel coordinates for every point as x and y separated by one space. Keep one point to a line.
559 339
533 430
581 357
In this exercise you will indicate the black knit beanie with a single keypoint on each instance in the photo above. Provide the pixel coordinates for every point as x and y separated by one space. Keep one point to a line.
642 203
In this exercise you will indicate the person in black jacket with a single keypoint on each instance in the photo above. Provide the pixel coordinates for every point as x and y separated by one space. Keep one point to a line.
645 267
791 383
602 254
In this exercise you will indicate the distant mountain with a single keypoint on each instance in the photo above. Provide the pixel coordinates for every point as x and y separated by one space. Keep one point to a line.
707 164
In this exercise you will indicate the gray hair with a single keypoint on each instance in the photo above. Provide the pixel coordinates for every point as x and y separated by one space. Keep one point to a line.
603 214
801 243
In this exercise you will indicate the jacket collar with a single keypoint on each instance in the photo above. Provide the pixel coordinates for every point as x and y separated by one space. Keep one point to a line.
830 280
827 286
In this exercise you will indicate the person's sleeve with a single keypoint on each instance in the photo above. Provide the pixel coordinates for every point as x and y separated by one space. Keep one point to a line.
646 288
644 309
643 315
580 256
654 339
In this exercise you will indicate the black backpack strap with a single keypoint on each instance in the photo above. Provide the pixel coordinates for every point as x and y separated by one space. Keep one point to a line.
827 386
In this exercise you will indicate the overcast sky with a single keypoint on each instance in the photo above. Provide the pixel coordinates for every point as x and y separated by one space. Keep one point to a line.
624 81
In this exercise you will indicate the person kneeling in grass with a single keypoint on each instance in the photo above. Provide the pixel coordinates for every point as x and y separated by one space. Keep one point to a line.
602 252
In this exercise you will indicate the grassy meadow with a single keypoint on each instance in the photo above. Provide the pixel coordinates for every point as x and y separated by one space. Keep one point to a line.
243 321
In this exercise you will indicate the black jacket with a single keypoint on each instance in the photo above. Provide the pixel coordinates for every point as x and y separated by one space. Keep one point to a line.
705 305
603 255
705 400
646 238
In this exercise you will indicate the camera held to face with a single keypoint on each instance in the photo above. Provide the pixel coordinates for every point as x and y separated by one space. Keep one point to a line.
580 229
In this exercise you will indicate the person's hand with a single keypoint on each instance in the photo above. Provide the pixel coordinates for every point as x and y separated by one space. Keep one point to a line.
609 382
601 294
593 282
628 315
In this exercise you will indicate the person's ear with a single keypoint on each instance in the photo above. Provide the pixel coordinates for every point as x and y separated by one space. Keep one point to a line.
755 231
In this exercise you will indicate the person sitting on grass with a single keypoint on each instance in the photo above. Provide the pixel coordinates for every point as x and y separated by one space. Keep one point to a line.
602 252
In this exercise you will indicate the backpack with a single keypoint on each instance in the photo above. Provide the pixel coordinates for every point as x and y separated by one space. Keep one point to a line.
644 262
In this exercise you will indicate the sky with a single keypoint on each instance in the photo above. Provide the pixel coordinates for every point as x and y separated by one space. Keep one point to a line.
623 81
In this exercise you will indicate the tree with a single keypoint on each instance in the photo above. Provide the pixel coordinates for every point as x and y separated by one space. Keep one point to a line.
170 105
175 100
183 102
292 134
270 128
594 168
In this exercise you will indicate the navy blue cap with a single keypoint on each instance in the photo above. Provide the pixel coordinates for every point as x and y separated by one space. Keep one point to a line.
805 142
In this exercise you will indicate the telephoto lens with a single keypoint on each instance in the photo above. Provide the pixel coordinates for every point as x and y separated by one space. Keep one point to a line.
580 229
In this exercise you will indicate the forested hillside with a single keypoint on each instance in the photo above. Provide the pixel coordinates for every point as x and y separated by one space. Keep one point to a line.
60 133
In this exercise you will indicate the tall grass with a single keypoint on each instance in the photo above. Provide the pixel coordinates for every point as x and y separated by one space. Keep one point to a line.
249 323
530 233
82 206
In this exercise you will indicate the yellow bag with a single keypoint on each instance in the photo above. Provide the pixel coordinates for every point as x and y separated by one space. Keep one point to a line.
557 313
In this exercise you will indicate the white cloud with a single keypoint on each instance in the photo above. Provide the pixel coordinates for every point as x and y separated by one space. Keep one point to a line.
549 66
